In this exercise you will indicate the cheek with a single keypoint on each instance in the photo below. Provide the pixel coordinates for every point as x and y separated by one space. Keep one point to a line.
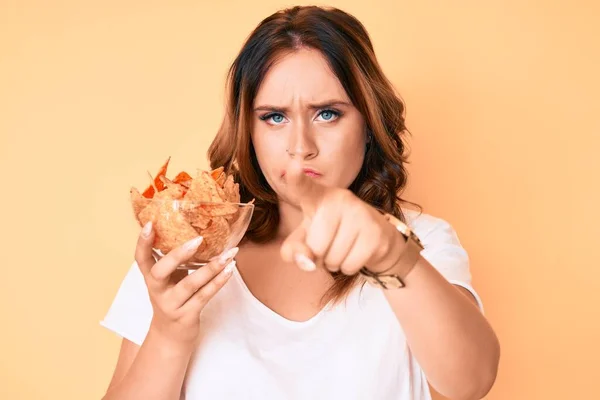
353 164
268 156
347 158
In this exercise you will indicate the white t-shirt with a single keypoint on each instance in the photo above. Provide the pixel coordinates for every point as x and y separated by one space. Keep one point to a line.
355 350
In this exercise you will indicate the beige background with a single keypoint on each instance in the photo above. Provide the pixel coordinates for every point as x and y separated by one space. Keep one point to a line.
502 102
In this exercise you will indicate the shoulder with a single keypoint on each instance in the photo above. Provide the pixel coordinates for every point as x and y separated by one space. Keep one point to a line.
131 311
429 227
442 249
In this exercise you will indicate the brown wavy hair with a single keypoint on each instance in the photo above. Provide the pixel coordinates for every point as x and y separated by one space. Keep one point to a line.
346 46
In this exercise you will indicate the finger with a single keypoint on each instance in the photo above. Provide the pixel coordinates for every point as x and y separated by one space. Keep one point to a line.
207 292
294 248
357 257
189 285
290 244
163 269
302 189
344 241
143 250
323 230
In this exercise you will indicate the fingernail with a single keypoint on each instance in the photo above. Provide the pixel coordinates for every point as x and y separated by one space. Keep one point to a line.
305 263
147 229
229 268
193 244
228 255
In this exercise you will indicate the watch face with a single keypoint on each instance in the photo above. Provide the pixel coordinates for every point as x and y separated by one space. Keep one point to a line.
391 281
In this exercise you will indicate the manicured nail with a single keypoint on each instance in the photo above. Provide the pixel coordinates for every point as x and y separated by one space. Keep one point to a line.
228 255
147 229
229 268
305 263
193 244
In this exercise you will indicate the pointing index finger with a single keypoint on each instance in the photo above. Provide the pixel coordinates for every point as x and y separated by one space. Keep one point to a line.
303 189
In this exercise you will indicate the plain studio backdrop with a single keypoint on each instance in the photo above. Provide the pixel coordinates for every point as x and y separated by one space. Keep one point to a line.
502 102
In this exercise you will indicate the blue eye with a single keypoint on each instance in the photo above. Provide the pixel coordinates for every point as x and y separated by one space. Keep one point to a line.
273 118
276 118
329 115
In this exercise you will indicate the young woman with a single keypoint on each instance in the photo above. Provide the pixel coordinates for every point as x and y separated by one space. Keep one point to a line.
329 296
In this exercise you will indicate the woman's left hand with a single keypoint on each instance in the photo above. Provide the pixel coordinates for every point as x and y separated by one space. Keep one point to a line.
339 232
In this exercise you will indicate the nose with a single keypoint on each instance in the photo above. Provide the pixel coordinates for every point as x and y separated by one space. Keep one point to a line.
301 143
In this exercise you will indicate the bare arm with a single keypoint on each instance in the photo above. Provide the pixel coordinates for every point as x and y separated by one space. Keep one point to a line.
127 354
447 333
154 371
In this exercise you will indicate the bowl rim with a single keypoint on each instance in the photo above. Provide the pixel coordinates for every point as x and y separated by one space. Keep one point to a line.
213 203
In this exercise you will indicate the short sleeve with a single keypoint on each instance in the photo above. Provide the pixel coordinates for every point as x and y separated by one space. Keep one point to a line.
443 250
130 313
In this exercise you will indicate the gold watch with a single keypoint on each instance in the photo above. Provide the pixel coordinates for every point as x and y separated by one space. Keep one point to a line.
393 278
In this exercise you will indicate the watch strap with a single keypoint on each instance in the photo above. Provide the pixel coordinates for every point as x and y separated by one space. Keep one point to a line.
393 277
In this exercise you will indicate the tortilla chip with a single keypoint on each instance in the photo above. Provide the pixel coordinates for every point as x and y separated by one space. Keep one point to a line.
172 227
232 190
203 189
138 202
215 237
197 218
149 192
183 178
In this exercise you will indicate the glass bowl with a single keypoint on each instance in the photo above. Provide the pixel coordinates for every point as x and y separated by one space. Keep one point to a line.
222 225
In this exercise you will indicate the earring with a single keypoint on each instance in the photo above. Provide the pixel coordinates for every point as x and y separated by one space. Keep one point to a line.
369 138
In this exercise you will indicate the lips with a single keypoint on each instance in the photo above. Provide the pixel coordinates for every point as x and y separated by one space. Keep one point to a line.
308 172
311 172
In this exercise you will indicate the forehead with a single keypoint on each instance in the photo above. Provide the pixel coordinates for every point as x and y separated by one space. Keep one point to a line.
300 76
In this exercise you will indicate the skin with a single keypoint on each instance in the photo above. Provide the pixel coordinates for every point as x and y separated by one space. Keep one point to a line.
304 119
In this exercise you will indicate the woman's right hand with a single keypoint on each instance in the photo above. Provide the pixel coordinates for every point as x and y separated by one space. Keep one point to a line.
176 296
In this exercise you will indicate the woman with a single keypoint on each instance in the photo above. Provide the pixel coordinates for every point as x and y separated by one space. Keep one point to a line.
325 299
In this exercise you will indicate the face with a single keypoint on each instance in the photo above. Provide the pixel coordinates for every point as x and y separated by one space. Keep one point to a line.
302 112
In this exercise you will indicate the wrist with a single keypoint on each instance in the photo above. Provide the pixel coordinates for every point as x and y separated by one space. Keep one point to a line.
403 256
406 261
393 257
169 345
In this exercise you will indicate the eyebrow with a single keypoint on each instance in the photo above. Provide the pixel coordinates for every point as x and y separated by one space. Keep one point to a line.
315 106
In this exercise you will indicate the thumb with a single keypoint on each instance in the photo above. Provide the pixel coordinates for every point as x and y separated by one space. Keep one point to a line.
294 248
